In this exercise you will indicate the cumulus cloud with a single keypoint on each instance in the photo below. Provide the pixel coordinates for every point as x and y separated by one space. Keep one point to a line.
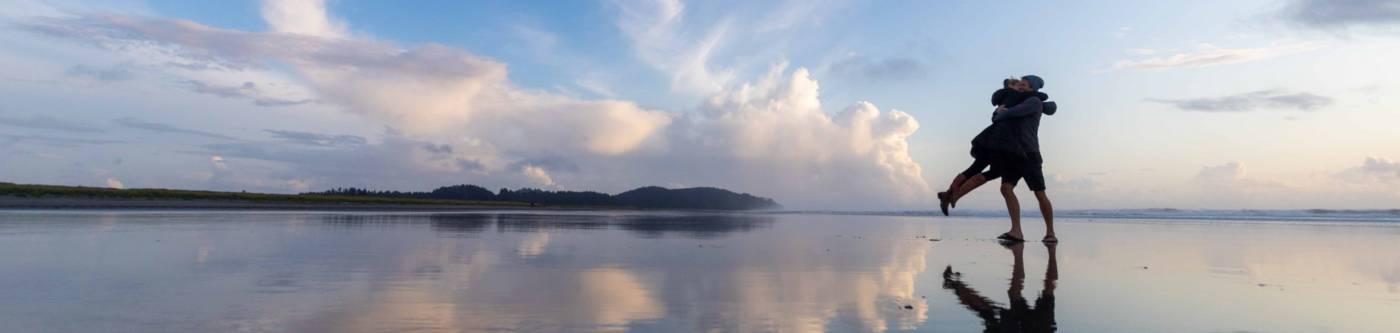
1272 99
1375 170
1210 55
1233 177
166 128
538 175
879 70
433 90
217 162
1334 14
114 183
773 136
456 117
1227 173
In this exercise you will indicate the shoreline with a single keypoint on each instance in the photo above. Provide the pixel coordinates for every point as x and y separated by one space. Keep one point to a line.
13 203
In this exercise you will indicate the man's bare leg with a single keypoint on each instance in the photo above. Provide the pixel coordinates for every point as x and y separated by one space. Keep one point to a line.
1048 211
1013 208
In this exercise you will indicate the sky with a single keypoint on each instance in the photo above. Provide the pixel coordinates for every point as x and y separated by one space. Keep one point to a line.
850 105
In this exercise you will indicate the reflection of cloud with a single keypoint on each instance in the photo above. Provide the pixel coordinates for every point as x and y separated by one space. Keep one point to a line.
615 297
533 244
743 284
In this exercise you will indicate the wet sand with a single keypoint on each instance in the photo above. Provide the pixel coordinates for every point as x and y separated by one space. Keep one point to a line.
128 271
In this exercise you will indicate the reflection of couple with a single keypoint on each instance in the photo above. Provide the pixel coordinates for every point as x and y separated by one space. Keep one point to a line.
1010 146
1018 316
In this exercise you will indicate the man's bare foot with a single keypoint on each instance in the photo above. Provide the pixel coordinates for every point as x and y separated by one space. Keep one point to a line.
1012 236
1049 239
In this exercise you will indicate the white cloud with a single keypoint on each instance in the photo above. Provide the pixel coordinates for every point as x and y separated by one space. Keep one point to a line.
306 17
538 174
1373 171
1207 55
1224 174
218 162
114 183
660 38
773 136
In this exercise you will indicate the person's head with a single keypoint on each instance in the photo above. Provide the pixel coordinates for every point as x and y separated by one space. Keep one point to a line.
1020 85
1032 82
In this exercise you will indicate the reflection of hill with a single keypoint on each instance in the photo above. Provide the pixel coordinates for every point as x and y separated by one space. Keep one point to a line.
650 225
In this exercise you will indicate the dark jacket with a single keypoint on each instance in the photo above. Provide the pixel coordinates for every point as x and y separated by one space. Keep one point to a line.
1023 124
1015 130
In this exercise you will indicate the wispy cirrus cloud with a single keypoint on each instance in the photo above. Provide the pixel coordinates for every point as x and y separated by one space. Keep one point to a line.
1207 55
11 139
862 68
247 90
166 128
42 122
113 74
317 139
1273 99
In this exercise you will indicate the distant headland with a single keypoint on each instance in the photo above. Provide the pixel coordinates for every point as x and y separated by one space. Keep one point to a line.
443 198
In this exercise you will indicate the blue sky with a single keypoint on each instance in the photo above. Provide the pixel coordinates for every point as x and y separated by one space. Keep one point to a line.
844 104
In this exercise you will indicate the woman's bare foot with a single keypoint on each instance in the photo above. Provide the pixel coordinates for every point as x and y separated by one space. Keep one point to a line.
943 202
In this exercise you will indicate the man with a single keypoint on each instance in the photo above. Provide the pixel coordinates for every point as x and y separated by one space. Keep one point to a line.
1016 155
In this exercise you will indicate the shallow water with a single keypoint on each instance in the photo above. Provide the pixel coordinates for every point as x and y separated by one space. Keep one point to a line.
211 271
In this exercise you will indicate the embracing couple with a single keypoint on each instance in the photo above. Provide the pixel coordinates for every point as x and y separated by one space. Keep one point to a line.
1009 149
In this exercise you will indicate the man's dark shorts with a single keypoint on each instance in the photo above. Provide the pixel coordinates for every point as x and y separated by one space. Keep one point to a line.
1026 166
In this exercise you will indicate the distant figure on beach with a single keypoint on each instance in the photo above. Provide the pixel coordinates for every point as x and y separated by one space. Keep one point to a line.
1009 148
1018 316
